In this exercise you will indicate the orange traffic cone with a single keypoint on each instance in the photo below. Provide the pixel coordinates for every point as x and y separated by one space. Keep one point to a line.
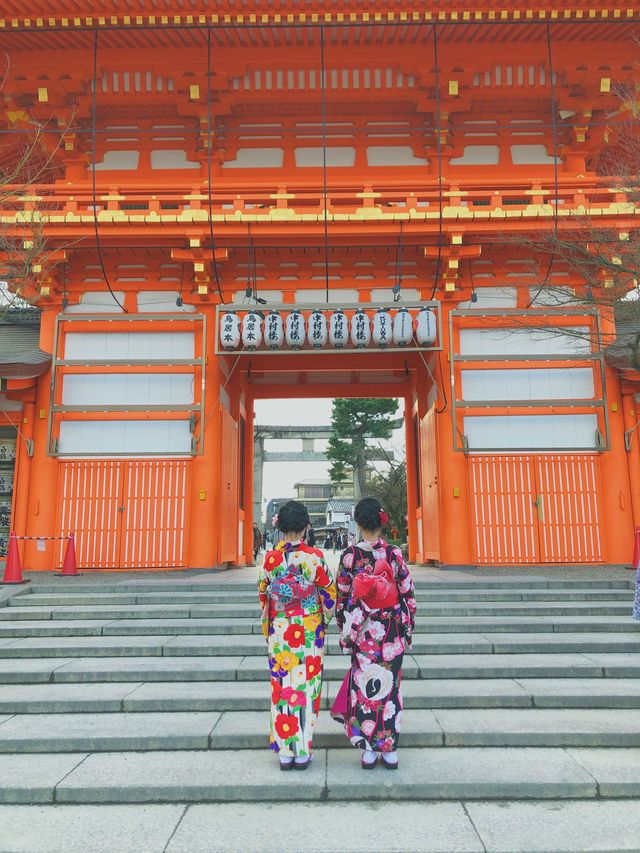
13 569
69 565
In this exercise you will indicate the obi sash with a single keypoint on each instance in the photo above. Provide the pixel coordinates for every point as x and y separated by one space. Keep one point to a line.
376 586
292 590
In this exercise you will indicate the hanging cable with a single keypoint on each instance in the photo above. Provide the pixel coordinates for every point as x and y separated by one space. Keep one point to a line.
323 96
556 179
439 151
474 295
397 287
94 109
209 154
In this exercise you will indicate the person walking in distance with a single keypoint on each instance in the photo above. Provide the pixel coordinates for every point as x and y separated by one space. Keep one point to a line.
376 617
298 598
257 541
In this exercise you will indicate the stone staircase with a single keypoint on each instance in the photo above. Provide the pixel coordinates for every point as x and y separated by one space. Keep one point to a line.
134 717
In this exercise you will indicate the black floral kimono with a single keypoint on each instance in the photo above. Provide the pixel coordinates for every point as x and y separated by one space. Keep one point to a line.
376 639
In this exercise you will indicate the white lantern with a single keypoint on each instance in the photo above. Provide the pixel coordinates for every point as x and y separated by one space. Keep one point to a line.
274 330
230 330
360 329
426 327
317 329
338 329
295 327
402 328
252 330
382 328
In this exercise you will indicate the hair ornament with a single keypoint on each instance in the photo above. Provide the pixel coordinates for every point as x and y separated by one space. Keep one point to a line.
384 518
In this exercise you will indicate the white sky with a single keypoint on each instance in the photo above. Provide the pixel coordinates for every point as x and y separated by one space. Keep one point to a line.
280 477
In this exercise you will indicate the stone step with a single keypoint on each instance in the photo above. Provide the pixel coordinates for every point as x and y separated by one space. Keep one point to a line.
253 667
570 826
246 611
249 597
238 730
254 644
249 775
135 697
246 626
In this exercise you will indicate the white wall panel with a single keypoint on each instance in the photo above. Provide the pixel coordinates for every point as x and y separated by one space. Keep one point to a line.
506 432
523 342
98 303
114 437
119 389
393 155
129 345
534 384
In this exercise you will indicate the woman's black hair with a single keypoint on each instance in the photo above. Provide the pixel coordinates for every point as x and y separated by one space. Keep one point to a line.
293 517
367 514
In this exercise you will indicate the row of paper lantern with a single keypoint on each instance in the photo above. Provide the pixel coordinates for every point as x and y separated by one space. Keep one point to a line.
338 330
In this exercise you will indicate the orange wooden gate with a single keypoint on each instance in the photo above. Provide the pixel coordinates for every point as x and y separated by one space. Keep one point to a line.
230 474
430 489
536 509
125 514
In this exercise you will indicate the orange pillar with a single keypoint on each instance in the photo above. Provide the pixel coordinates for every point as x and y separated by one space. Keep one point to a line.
616 493
43 490
22 478
248 481
205 479
412 473
631 416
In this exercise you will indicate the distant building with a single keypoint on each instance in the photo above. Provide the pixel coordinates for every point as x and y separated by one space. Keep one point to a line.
339 513
314 494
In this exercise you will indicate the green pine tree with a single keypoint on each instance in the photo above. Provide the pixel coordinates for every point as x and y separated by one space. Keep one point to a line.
355 423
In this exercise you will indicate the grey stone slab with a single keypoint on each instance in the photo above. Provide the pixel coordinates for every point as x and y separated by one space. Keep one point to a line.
523 594
509 666
481 693
451 644
199 597
219 645
525 608
462 774
9 614
88 829
540 727
149 669
104 732
558 827
133 611
181 627
579 642
617 771
67 598
32 778
59 698
190 777
249 730
223 611
620 665
81 647
331 827
200 696
49 628
583 692
30 670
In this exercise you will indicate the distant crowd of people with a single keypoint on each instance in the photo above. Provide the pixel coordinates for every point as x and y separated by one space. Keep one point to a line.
334 540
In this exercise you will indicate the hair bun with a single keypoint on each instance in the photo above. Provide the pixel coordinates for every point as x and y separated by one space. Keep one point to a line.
293 517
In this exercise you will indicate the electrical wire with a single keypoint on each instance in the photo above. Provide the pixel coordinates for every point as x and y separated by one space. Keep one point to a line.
556 179
94 110
323 96
209 153
397 287
439 151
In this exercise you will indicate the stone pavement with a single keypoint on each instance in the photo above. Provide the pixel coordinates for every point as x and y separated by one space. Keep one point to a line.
134 717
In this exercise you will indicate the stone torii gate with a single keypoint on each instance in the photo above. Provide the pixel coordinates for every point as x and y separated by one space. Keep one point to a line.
309 435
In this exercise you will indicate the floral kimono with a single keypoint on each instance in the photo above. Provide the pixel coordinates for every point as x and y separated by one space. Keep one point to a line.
376 640
636 600
298 597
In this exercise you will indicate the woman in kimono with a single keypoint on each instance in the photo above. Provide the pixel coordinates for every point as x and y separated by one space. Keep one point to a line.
298 598
376 617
